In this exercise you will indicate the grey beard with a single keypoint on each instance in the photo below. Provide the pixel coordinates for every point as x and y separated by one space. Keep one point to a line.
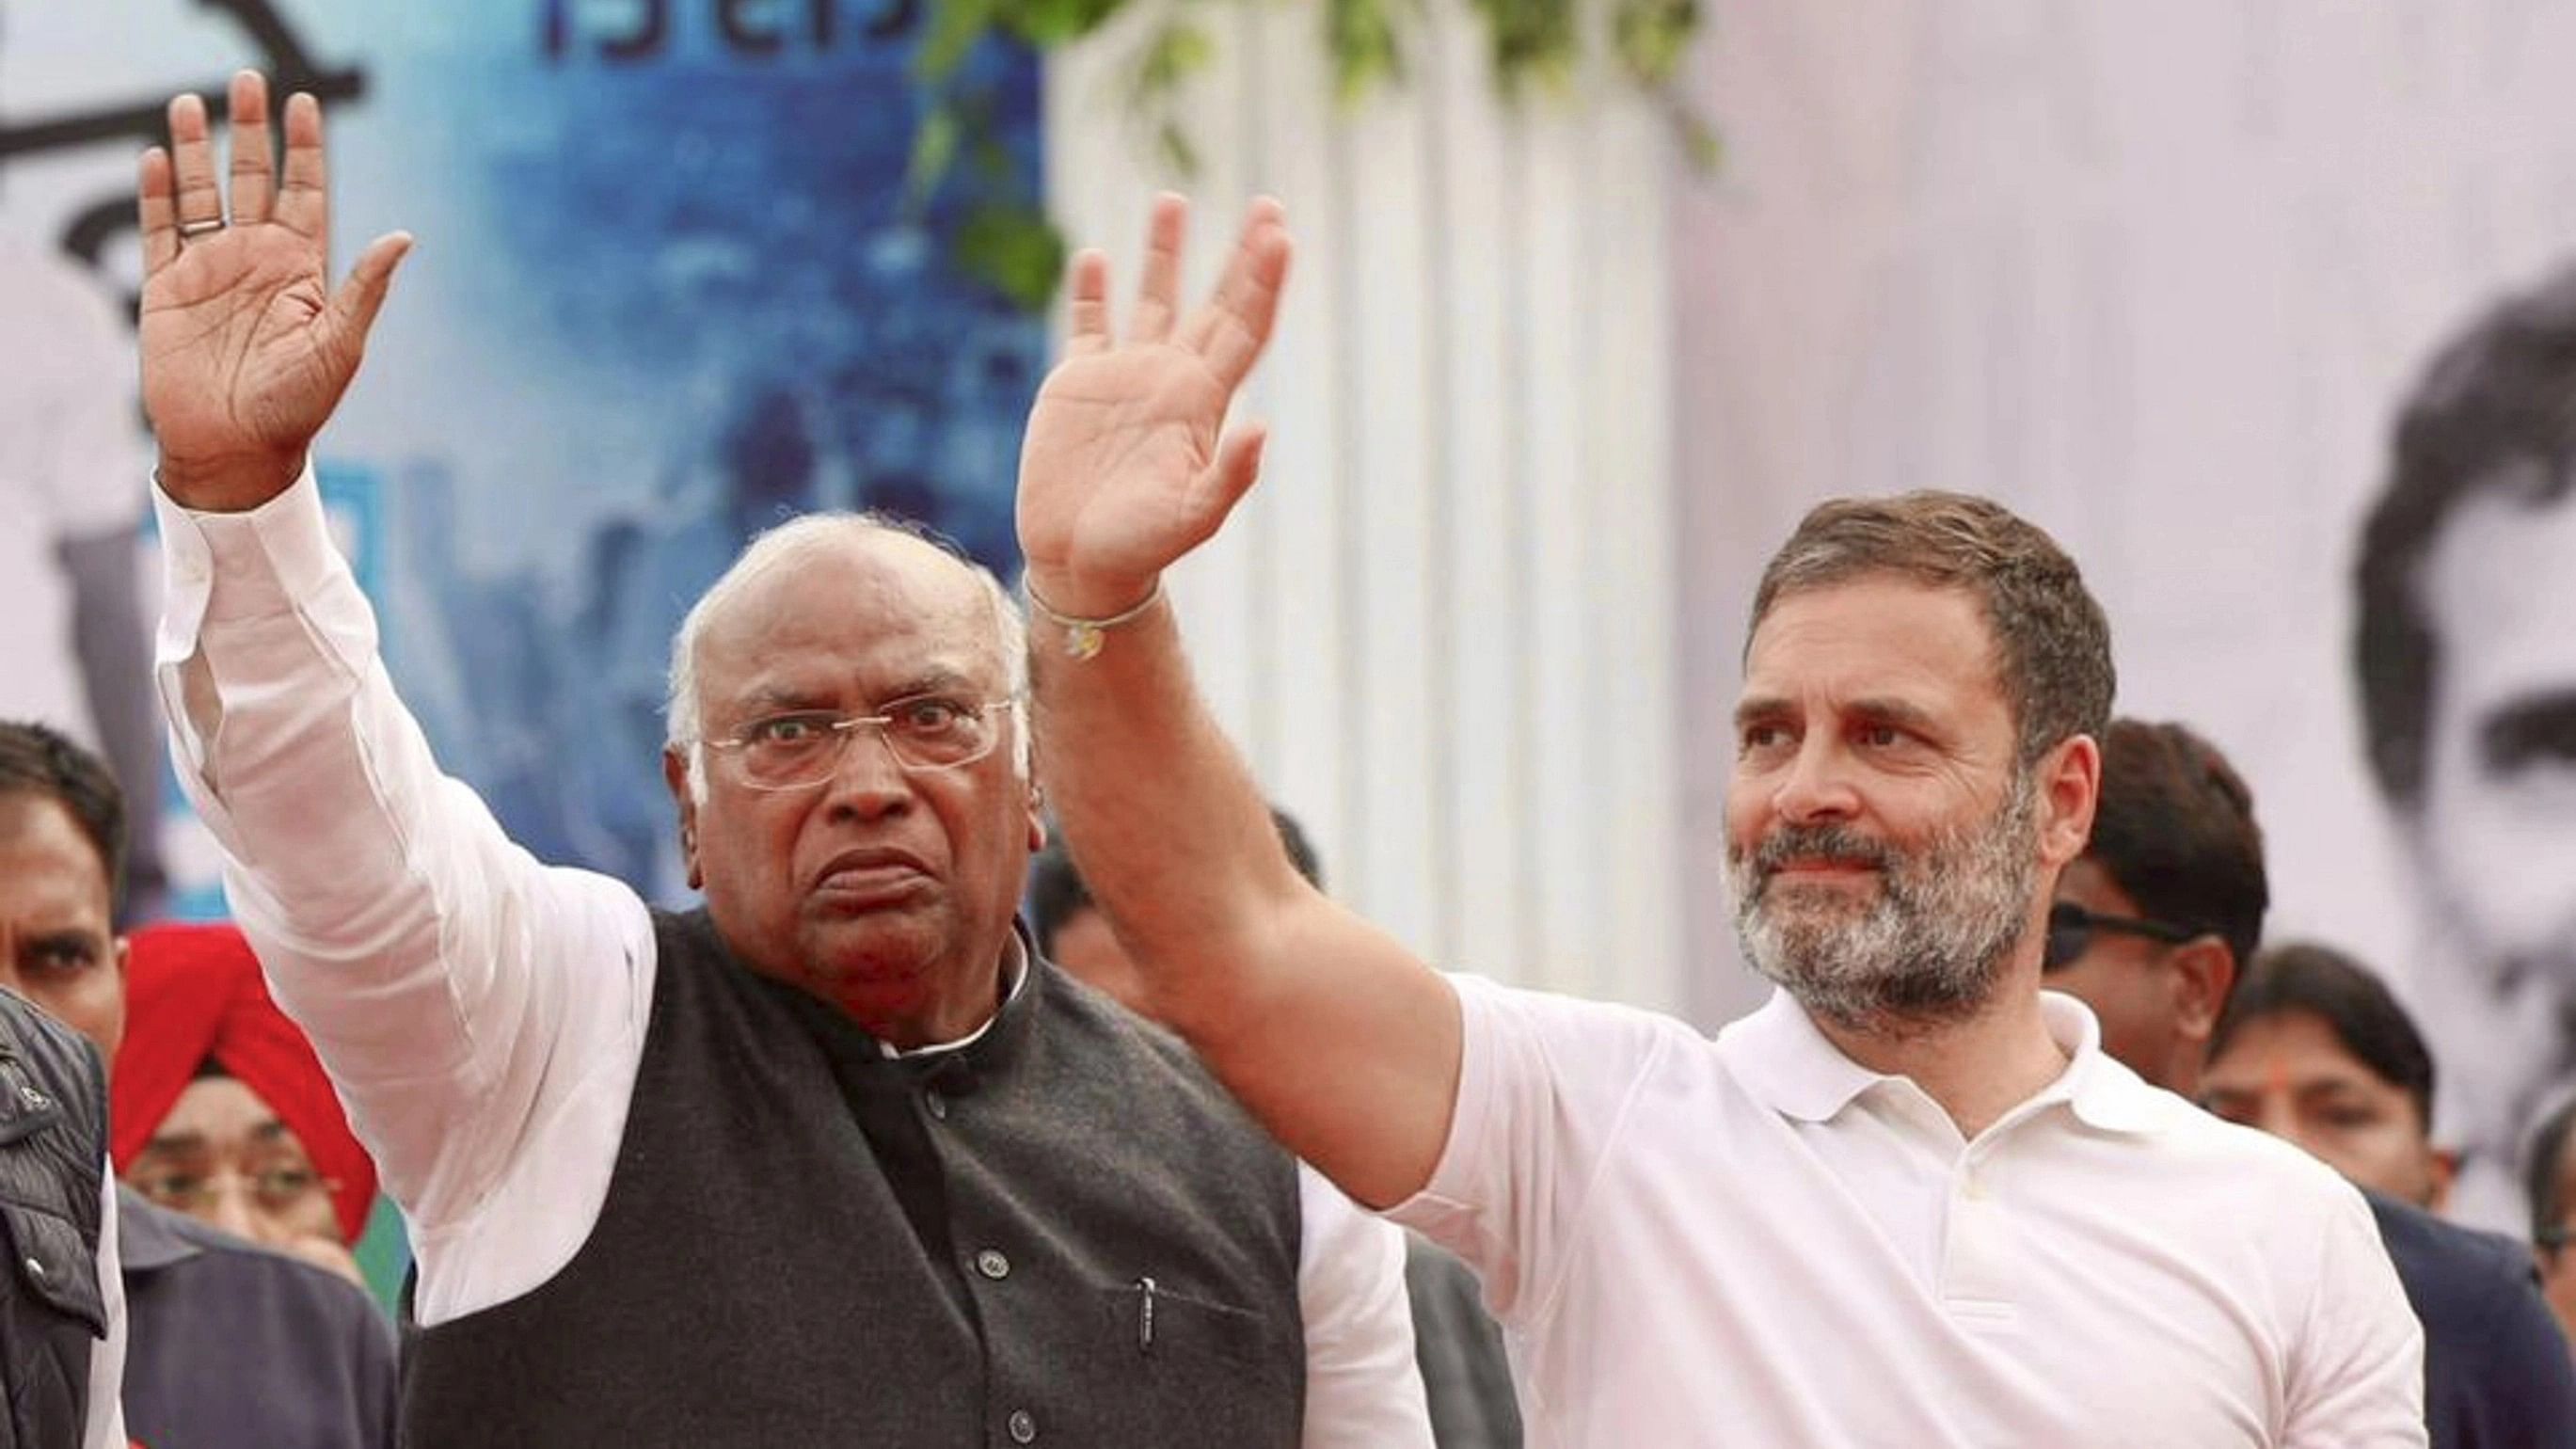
1927 950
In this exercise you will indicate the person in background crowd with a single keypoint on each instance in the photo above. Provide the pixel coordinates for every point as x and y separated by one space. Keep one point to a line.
2468 694
1910 1201
2149 928
2314 1048
835 1159
220 1109
1466 1375
231 1346
2550 1188
2152 922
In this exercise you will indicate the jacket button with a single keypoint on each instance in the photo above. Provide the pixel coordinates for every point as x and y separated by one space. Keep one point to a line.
1024 1428
993 1265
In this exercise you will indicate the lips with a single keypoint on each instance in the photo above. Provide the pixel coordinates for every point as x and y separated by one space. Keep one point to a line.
871 875
1823 875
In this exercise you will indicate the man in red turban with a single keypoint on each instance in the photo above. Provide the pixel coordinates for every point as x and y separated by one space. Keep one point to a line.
219 1107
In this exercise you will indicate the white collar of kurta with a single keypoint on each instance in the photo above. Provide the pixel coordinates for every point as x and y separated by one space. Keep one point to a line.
1792 1067
1015 960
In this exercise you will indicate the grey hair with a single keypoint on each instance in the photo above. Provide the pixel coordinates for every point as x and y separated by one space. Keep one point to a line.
682 718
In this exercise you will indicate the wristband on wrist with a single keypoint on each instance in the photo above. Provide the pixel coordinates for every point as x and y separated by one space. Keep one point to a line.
1083 637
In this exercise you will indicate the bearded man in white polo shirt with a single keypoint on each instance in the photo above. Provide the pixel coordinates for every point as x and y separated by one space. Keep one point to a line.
1908 1202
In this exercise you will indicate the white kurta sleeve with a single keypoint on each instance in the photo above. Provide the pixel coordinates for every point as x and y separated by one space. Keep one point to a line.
481 1014
104 1425
1362 1384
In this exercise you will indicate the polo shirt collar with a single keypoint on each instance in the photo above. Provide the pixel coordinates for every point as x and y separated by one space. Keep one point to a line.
2105 1094
1793 1068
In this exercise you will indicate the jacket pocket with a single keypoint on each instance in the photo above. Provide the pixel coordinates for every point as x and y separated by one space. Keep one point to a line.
53 1264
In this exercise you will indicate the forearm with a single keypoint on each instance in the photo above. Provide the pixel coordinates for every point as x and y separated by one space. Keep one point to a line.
428 957
287 738
1173 837
1343 1044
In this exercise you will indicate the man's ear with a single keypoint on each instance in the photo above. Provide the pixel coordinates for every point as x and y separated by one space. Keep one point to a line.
2443 1167
118 951
2070 784
2204 972
1037 815
675 773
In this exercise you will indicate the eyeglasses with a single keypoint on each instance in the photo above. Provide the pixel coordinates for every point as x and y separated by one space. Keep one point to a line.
804 747
277 1190
2071 928
2553 1239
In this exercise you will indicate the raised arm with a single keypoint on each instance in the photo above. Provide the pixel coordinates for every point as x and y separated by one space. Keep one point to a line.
1338 1039
467 1001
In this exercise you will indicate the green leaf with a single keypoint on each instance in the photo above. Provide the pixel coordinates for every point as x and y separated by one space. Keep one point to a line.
1177 51
1700 141
934 152
1361 37
1177 151
1047 24
1651 38
954 28
1014 250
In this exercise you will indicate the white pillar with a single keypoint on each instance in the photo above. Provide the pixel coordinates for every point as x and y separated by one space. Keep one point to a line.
1442 627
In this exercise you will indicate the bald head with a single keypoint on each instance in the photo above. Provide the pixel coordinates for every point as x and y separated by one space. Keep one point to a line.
893 565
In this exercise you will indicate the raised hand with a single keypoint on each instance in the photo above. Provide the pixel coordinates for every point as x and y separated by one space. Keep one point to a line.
246 347
1125 466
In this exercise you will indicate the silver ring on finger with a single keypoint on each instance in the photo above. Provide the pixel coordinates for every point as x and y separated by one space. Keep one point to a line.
191 230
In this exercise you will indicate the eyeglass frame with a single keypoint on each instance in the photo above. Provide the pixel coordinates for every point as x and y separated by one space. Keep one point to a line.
258 1184
844 727
2085 922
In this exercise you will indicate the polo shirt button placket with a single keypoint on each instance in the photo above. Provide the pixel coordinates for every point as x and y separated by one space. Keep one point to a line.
1024 1427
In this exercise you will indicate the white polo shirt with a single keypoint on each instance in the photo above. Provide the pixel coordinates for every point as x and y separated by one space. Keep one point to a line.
1755 1240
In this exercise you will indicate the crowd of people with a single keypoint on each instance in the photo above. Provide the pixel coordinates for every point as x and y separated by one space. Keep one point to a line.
862 1151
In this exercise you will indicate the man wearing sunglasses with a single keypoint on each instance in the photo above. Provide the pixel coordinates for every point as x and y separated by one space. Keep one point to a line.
2151 928
2153 920
835 1160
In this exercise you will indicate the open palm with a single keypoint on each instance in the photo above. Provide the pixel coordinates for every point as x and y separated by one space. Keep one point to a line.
246 348
1125 466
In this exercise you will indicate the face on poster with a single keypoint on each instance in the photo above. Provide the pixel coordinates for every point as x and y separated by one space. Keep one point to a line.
667 293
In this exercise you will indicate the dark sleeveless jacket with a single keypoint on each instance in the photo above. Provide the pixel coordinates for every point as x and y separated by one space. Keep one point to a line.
53 1151
1064 1233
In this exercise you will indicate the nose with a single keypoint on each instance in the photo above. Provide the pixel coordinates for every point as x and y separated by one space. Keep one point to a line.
228 1207
1816 787
867 781
2275 1115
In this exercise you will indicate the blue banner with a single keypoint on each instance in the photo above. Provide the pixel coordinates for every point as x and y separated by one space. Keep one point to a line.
669 290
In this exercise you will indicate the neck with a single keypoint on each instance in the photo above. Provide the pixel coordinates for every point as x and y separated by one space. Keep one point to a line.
1977 1068
907 1017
